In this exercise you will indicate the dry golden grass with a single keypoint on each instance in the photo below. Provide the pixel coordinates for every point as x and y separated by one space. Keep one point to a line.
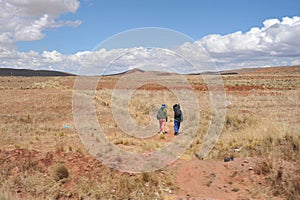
262 121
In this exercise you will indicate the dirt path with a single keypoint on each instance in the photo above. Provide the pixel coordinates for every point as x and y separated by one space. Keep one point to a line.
205 179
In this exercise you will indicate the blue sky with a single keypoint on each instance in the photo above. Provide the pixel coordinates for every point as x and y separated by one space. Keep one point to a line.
38 32
195 18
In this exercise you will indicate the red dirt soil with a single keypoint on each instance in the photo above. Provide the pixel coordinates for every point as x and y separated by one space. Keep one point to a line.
205 179
196 179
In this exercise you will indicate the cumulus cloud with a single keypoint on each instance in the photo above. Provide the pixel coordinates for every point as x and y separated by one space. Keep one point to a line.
276 43
27 19
274 36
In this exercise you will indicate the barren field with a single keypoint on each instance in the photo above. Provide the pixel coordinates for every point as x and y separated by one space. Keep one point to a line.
43 157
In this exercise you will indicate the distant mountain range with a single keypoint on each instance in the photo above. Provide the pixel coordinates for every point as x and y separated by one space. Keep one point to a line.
267 70
136 70
29 72
258 70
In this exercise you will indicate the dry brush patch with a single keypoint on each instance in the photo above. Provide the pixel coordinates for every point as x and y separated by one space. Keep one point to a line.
74 176
36 116
281 166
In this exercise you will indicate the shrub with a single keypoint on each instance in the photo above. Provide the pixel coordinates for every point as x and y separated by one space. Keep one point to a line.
60 172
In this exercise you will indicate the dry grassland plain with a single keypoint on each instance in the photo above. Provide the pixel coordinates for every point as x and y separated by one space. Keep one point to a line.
43 157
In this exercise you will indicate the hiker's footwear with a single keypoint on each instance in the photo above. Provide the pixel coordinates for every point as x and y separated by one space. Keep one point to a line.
226 159
176 133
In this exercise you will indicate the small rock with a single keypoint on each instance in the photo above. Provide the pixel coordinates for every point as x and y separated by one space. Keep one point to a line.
250 168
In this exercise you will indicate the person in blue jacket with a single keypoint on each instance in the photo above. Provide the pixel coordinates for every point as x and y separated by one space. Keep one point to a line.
178 118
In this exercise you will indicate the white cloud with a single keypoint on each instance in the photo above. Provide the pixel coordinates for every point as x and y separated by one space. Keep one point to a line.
276 43
270 22
32 8
149 59
52 57
25 20
274 36
32 31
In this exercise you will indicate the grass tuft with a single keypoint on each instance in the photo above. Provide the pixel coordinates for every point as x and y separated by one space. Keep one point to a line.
60 172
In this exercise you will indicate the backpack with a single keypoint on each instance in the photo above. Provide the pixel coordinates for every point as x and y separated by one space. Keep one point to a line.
177 112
